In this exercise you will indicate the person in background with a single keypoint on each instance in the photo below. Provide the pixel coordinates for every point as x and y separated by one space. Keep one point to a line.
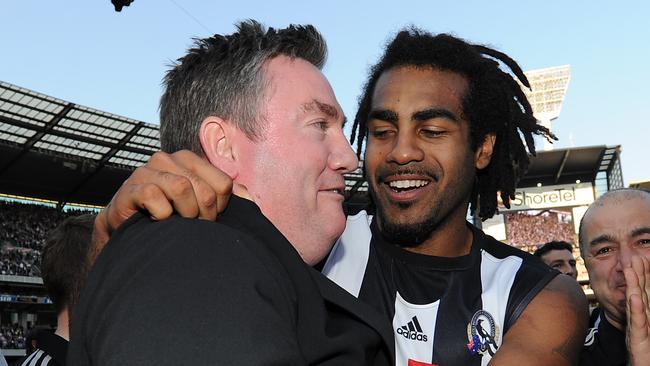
558 255
64 270
614 239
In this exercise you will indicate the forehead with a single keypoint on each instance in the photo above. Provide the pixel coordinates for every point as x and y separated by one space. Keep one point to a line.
296 86
409 86
557 254
617 216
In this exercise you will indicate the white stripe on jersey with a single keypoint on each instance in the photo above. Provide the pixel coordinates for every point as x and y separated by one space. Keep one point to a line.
346 264
497 277
46 360
414 345
33 359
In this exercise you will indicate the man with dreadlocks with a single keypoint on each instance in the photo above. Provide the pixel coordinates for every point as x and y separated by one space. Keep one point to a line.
441 122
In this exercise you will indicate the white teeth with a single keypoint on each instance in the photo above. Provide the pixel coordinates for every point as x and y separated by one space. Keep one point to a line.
403 184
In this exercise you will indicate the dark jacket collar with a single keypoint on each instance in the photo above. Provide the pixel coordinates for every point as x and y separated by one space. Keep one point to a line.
246 216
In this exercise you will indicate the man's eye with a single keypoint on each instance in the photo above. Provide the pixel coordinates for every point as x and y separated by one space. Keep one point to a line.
432 133
379 134
603 251
644 242
321 125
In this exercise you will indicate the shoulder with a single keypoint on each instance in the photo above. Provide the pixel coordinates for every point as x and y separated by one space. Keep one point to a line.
502 250
525 273
40 358
531 269
190 245
161 282
552 327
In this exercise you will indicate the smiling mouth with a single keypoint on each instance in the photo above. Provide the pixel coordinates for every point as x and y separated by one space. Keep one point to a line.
407 185
340 191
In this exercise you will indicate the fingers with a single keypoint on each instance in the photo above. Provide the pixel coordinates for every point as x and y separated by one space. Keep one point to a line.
212 187
646 292
99 239
149 190
638 313
638 322
181 182
632 290
641 268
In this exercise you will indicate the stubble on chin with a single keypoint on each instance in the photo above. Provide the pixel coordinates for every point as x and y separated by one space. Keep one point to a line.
409 233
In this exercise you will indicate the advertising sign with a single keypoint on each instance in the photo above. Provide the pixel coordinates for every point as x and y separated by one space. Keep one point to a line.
535 198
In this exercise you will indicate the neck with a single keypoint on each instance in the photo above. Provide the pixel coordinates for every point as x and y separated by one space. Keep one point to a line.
451 238
62 325
613 321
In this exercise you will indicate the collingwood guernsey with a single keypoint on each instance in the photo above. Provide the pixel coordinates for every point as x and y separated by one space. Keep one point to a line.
444 311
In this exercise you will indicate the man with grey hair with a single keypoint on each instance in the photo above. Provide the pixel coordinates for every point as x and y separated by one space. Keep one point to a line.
239 290
615 244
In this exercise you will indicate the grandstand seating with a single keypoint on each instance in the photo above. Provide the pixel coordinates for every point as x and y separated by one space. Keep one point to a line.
23 230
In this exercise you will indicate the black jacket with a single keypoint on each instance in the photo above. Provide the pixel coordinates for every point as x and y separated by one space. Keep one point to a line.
231 292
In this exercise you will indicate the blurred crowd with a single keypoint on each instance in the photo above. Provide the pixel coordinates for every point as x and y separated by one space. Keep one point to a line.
13 336
23 229
527 230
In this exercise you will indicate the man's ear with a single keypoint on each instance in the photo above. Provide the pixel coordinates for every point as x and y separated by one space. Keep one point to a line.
216 136
484 152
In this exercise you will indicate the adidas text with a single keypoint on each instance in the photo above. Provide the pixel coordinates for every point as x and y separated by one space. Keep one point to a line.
412 335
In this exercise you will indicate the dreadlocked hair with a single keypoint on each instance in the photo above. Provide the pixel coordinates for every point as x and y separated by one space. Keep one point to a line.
494 104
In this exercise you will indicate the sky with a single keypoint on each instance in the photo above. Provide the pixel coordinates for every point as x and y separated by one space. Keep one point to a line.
86 53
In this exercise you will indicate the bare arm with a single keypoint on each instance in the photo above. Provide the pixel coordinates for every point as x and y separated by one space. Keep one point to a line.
551 330
181 182
637 278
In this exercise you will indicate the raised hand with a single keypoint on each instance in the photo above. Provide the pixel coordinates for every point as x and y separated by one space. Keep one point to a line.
637 278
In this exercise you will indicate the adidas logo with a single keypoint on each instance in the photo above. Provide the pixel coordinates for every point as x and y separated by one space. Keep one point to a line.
412 330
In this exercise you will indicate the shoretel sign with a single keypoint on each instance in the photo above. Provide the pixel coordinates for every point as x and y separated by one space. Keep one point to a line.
534 198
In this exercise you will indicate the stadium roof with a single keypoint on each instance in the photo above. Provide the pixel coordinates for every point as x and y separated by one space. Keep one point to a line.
641 184
566 166
53 149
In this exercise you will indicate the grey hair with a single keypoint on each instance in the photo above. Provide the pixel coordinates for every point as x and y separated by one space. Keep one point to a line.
223 76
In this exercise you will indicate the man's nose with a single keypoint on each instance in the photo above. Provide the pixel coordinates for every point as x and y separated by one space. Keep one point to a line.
342 158
405 149
624 258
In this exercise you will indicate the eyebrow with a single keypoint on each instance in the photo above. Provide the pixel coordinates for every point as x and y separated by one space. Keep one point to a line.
419 116
605 238
641 231
432 113
383 115
327 109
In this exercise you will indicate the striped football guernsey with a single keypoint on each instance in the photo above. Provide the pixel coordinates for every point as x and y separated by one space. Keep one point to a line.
444 311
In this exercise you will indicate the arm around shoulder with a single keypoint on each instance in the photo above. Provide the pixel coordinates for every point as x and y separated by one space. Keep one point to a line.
551 330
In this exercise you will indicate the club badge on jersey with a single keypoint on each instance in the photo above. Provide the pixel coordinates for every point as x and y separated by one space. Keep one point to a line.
483 334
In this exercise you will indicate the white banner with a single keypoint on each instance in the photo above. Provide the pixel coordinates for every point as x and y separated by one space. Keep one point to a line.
535 198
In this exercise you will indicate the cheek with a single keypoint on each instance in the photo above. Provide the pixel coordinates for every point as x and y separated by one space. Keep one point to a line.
603 276
372 160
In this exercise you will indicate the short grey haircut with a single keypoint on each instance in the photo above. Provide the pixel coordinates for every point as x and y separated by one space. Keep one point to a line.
223 76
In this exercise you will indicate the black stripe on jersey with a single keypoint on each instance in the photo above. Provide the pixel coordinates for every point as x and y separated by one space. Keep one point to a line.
457 306
417 324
